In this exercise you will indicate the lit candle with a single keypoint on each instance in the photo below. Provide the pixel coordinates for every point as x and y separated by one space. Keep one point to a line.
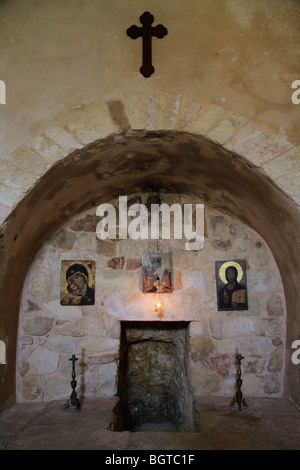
73 350
239 347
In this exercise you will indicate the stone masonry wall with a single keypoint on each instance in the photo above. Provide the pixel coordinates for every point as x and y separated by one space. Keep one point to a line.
47 329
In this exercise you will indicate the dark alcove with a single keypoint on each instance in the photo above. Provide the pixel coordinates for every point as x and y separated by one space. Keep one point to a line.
153 383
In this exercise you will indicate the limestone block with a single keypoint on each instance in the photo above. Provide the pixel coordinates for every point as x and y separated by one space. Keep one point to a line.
275 305
246 139
43 361
268 150
25 351
32 387
217 224
23 368
120 279
227 345
69 329
16 179
59 343
87 223
239 326
5 210
209 116
288 161
62 239
289 182
221 364
135 105
216 326
251 385
277 342
260 281
40 284
228 386
200 346
272 384
258 345
133 263
26 340
94 345
221 245
183 259
90 122
254 364
28 161
108 379
92 325
237 120
131 248
104 358
177 284
62 312
152 112
62 138
85 242
111 325
273 326
38 326
188 113
56 387
194 279
46 148
106 247
222 132
203 380
196 328
169 105
116 262
276 361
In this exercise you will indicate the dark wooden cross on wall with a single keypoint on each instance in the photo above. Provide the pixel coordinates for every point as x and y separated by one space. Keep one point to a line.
146 32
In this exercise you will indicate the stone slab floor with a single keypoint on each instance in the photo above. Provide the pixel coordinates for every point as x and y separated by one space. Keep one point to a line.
267 423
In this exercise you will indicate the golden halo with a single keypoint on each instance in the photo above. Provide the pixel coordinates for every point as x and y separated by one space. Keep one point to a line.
223 269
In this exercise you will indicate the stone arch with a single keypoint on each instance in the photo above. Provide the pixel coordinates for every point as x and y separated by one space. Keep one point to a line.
265 145
170 161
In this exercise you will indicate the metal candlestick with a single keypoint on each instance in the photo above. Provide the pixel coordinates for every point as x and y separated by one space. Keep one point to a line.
73 397
239 399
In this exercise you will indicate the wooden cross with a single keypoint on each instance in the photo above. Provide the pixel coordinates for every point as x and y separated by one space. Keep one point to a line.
146 32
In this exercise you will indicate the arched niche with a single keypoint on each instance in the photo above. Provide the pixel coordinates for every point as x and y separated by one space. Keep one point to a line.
174 162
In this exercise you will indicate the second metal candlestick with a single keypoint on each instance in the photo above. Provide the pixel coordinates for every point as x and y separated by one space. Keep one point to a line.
73 397
239 399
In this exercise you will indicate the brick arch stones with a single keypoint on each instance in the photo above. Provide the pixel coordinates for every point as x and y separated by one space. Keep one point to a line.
171 161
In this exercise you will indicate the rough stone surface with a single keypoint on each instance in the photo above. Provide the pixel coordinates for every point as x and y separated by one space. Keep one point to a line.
43 361
116 263
203 379
271 384
216 326
132 264
276 361
221 364
38 326
201 346
275 306
213 336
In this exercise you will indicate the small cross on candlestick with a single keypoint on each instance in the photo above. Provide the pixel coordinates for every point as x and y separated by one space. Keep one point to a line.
239 399
73 397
